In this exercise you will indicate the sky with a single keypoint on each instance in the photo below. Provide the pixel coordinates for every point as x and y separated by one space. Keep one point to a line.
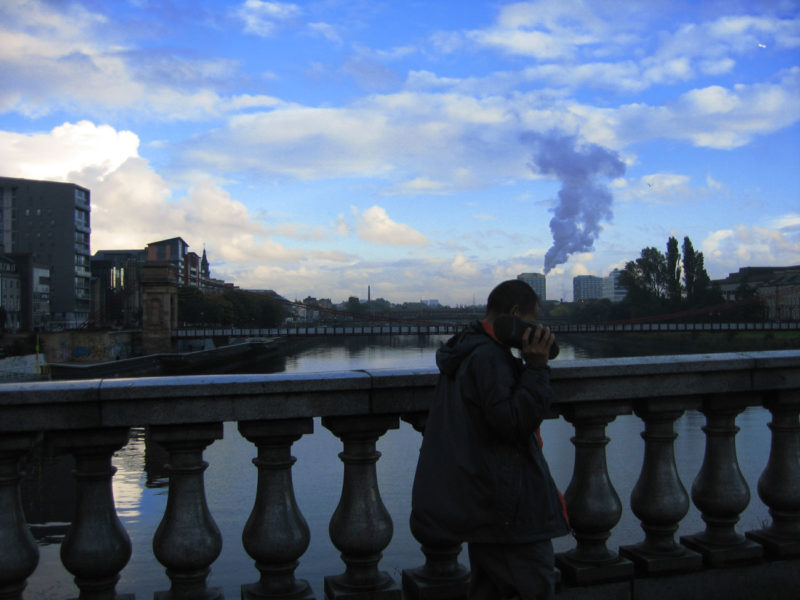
424 149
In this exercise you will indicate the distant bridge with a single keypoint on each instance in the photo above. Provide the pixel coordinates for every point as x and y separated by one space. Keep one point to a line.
451 328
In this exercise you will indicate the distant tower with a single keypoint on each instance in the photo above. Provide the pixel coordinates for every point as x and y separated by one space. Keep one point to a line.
537 281
612 288
587 287
205 273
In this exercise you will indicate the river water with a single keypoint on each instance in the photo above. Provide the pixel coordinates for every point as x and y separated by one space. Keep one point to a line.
140 485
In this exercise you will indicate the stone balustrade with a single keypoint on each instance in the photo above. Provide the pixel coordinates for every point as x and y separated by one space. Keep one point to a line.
91 420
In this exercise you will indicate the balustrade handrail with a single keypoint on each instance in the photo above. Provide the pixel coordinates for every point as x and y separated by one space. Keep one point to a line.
82 404
91 420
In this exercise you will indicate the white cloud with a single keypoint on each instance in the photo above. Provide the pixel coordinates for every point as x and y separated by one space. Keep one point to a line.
727 250
713 184
422 185
542 30
263 18
450 139
66 148
376 227
713 117
602 45
789 223
132 205
326 30
48 48
463 267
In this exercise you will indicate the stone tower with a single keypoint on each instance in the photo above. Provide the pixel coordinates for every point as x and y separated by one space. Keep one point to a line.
159 306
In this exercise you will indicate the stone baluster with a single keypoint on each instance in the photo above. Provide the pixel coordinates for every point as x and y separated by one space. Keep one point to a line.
361 527
187 540
779 484
720 491
592 502
276 534
19 554
96 547
659 499
442 576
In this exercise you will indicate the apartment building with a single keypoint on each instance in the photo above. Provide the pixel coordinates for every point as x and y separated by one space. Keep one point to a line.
51 221
537 281
587 287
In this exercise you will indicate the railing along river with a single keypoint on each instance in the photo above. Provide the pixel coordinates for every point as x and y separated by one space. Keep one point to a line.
450 328
91 420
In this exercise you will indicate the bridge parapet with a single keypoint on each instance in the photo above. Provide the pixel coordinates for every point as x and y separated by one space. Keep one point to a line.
91 420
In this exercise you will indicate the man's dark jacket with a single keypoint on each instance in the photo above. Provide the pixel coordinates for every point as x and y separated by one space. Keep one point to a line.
481 475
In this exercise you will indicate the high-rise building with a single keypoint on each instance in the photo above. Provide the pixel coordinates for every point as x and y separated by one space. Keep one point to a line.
587 287
50 220
10 294
537 281
612 289
34 282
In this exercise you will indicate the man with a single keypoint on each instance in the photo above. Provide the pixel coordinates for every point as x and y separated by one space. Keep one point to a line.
481 476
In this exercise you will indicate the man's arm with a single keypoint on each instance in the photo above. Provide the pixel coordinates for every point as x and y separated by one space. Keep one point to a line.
513 406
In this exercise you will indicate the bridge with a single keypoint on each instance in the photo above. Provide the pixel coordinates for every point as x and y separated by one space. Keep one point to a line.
92 419
412 328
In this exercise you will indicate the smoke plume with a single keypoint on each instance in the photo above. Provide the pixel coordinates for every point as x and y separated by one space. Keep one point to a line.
583 201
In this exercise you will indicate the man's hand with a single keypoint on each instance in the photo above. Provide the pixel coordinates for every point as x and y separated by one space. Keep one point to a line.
536 345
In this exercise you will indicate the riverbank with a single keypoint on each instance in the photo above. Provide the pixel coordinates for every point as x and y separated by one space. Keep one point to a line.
590 345
201 362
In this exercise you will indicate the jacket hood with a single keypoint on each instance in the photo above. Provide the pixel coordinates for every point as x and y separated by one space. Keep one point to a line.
451 354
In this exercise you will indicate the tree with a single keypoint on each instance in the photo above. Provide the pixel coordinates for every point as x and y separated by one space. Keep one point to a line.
689 269
673 272
653 280
231 307
354 305
699 289
647 275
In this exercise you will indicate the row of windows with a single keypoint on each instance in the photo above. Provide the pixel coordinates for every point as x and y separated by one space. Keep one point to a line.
81 217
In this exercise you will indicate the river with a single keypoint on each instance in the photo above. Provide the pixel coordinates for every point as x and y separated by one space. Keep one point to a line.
141 493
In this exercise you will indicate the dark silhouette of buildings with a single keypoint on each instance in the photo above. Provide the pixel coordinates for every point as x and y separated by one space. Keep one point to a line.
117 283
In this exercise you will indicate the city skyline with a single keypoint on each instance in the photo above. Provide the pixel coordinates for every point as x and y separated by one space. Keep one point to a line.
317 148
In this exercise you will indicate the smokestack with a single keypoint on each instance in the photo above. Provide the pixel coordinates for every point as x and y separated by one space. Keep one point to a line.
583 201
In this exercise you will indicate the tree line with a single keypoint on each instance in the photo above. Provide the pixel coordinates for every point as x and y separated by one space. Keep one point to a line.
235 308
657 283
660 283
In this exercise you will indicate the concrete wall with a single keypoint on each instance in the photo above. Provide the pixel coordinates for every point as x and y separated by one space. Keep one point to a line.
88 346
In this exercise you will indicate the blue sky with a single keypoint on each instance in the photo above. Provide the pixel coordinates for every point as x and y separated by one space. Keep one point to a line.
426 149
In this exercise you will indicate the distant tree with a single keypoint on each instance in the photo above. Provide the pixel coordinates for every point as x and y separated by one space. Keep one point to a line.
231 307
594 311
673 272
221 309
354 305
752 307
699 289
561 312
690 261
379 306
191 305
646 277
